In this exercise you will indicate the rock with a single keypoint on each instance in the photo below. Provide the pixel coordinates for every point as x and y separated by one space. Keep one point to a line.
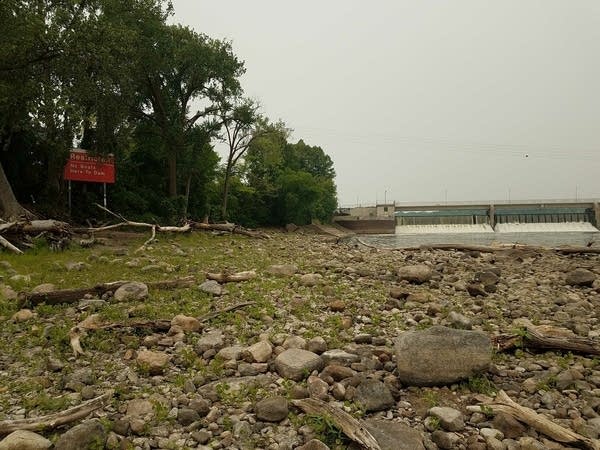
316 345
373 395
259 352
43 288
418 274
441 355
314 444
459 321
317 388
211 287
186 323
476 289
187 416
232 353
139 407
282 270
297 364
7 292
272 409
450 418
213 340
487 278
337 306
294 342
311 279
338 372
338 356
398 292
24 440
508 425
446 440
22 315
394 435
76 266
580 277
131 291
90 434
291 227
154 362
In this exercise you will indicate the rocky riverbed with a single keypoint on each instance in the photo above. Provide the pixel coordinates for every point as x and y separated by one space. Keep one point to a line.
400 340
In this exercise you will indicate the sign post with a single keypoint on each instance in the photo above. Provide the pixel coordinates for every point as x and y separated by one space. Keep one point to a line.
93 169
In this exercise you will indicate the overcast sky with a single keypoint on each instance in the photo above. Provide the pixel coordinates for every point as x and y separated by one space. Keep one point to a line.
427 100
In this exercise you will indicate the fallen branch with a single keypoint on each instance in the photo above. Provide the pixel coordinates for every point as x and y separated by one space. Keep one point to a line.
74 295
504 404
353 428
230 228
6 244
577 250
546 337
212 315
225 277
152 237
52 421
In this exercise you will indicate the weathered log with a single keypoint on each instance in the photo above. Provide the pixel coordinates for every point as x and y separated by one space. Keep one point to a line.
576 250
353 428
546 337
73 295
224 277
52 421
504 404
6 244
230 228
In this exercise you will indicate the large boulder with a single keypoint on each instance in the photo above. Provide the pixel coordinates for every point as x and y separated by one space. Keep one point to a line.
418 273
131 291
24 440
394 435
373 395
297 364
273 409
90 434
580 277
441 355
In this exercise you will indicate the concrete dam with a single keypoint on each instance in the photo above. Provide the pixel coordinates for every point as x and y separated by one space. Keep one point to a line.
465 217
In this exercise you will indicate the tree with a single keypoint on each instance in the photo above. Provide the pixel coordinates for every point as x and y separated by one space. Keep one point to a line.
181 66
241 121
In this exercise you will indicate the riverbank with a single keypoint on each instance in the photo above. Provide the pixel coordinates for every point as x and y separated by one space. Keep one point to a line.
335 309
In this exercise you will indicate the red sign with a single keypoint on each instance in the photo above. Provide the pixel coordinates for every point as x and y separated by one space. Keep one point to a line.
83 167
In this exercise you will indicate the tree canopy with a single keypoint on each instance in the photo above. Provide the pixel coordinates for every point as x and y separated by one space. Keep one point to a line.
113 76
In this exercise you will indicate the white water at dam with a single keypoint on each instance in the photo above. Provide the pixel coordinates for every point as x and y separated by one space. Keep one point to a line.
443 229
545 227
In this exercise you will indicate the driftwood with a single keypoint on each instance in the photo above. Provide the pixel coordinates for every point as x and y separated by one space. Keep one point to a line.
225 277
546 337
576 250
229 228
353 428
52 421
73 295
17 232
212 315
504 404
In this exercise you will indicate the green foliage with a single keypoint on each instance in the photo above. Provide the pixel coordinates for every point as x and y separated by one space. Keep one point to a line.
327 430
481 384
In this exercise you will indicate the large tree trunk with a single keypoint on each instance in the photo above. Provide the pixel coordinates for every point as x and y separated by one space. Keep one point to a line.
226 190
172 173
8 202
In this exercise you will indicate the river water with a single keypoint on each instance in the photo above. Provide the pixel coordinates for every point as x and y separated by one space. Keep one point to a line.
557 236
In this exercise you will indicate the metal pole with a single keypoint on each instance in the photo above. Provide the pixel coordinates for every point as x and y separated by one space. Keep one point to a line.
104 186
69 198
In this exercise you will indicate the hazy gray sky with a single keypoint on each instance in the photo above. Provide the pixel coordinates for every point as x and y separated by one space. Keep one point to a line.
427 100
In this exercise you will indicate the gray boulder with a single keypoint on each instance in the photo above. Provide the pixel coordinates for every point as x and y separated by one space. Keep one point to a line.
297 364
418 273
90 434
450 419
441 355
273 409
131 291
394 435
24 440
580 277
212 287
373 395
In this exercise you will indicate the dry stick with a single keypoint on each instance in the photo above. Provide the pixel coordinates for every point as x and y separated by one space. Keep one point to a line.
73 295
143 247
231 277
207 317
504 404
52 421
351 427
547 337
6 244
